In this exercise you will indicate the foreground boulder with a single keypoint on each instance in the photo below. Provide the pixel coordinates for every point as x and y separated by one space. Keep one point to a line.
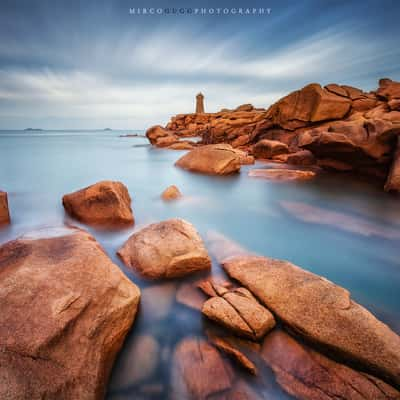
4 212
199 372
218 159
239 311
168 249
306 374
105 203
322 312
65 311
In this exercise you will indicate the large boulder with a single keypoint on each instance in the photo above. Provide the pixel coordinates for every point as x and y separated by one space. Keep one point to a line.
269 148
322 312
65 311
307 374
105 203
4 211
310 104
217 159
168 249
393 179
199 372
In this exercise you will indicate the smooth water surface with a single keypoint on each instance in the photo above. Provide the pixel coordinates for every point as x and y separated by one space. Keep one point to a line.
37 168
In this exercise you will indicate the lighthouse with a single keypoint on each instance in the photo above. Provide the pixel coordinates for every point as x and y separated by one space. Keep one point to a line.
200 103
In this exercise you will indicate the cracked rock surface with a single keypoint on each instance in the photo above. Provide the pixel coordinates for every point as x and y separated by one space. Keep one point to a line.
322 312
239 311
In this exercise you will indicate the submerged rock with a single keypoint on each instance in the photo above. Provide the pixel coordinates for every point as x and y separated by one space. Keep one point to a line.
199 372
217 159
168 249
4 211
190 296
105 203
280 174
65 311
239 311
171 193
307 374
153 309
322 312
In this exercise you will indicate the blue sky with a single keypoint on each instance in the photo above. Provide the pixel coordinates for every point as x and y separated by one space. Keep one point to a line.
91 64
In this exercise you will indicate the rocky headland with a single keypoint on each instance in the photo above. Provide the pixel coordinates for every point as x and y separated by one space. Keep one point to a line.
335 127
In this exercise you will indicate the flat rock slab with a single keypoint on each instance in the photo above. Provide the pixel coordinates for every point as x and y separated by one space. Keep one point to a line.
239 311
215 159
307 374
168 249
320 311
65 311
105 203
278 174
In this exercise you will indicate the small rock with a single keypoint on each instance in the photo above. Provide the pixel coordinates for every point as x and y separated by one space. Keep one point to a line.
171 193
168 249
105 203
302 157
4 211
266 148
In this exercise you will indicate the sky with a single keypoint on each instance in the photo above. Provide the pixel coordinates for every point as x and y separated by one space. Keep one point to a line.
96 64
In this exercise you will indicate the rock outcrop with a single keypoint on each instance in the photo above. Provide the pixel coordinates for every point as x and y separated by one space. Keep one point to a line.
219 159
65 311
171 193
161 137
4 211
307 374
345 128
321 312
168 249
239 311
106 203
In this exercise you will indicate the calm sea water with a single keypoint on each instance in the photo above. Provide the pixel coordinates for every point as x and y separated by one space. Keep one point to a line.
37 168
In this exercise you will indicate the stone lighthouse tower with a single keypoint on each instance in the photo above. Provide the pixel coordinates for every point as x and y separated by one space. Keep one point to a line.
200 104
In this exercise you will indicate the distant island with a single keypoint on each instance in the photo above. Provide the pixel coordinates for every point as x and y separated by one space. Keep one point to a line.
107 129
33 129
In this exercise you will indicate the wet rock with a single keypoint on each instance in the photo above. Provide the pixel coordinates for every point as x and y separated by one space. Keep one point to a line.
277 174
234 352
157 300
345 222
266 148
239 311
137 362
105 203
199 372
301 157
242 391
4 211
168 249
306 374
215 286
171 193
182 146
219 159
189 295
322 312
80 307
393 180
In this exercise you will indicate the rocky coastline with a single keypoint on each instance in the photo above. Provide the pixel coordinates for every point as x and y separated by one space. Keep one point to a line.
336 127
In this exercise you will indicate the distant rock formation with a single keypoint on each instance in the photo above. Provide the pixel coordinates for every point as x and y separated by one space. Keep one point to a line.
344 128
